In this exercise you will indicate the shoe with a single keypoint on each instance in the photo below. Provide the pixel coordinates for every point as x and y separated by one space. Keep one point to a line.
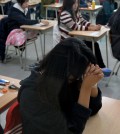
32 66
106 72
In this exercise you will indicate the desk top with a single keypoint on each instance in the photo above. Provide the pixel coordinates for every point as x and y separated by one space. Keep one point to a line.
39 28
55 5
2 16
107 121
10 96
91 34
97 7
4 1
33 3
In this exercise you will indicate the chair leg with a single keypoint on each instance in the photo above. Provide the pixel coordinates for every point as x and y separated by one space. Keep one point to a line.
111 73
6 52
16 50
25 55
36 51
20 56
117 70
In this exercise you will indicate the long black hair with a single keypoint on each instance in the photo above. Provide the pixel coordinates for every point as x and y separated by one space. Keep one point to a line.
67 6
22 1
70 57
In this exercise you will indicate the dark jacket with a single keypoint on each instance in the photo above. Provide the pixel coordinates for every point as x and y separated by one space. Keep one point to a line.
3 36
42 117
18 18
83 3
105 13
114 24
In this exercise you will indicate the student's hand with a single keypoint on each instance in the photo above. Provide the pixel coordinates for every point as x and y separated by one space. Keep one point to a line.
89 4
45 22
94 27
92 76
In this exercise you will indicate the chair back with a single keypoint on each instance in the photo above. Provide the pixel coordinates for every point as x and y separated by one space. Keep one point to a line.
13 120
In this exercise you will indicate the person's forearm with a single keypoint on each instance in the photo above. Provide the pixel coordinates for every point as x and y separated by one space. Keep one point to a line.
94 91
84 96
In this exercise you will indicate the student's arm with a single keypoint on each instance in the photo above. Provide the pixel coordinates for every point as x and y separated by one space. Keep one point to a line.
66 19
24 20
81 110
95 100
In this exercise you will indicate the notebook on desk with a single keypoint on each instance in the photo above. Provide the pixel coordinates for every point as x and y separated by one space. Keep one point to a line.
40 24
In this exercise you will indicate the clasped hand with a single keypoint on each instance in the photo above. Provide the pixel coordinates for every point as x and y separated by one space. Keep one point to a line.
92 76
94 27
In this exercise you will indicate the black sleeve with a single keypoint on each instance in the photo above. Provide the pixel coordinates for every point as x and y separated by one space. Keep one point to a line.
22 20
78 119
96 103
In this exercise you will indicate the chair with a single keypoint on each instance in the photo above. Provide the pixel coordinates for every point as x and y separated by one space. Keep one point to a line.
115 55
13 120
21 45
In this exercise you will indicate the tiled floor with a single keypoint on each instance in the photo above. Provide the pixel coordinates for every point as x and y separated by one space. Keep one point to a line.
12 69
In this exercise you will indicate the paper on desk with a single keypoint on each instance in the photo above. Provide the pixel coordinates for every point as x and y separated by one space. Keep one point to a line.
40 24
1 94
94 33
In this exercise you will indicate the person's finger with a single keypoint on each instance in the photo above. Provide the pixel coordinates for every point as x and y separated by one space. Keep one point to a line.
97 71
88 68
92 68
101 75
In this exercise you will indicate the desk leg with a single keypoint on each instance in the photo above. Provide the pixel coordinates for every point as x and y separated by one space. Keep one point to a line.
44 45
41 44
46 12
91 17
93 47
56 14
107 50
2 9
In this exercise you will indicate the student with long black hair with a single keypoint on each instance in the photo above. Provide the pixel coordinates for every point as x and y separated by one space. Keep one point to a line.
71 19
60 95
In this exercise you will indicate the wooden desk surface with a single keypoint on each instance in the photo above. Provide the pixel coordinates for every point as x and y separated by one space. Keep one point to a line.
33 3
10 96
55 5
4 1
39 28
91 34
97 7
107 121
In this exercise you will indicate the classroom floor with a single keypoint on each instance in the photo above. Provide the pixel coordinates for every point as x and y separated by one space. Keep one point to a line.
13 69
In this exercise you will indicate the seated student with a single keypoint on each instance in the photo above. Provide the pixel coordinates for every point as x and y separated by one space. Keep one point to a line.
71 19
114 24
83 3
18 15
60 95
43 9
106 12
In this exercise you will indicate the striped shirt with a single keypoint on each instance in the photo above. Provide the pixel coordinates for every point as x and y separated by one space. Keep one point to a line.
67 24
